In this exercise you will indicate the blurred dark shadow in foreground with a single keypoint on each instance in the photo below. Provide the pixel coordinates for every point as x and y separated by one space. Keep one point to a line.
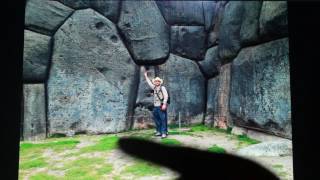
196 164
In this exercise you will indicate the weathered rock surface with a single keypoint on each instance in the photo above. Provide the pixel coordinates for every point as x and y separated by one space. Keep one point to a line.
211 63
145 31
213 35
188 41
45 16
229 33
93 79
239 131
108 8
273 20
222 117
182 12
143 118
260 88
34 120
36 56
249 33
212 100
209 12
186 86
77 4
261 136
274 148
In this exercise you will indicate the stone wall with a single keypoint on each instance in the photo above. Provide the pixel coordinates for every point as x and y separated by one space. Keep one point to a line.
221 63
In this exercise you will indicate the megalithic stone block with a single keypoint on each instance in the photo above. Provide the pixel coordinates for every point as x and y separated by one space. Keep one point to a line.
93 80
34 112
45 16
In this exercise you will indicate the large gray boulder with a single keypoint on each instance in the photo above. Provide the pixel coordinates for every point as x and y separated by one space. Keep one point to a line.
108 8
45 16
260 88
213 35
182 12
212 100
249 33
271 148
36 56
273 20
34 112
188 41
211 63
229 33
145 31
186 85
92 78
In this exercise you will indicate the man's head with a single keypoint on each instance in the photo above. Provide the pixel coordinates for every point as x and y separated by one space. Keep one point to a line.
157 81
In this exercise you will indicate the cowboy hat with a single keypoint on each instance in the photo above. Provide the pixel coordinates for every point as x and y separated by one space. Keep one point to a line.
157 79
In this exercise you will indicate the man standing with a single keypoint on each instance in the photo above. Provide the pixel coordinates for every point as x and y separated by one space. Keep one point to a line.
160 104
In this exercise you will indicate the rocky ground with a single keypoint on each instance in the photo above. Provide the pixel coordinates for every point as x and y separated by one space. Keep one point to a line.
97 157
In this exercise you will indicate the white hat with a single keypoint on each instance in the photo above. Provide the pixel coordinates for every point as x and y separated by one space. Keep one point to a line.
157 79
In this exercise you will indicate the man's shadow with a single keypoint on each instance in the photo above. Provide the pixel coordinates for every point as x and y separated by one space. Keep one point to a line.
196 164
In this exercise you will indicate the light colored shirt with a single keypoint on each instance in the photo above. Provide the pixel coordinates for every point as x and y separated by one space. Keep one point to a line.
163 95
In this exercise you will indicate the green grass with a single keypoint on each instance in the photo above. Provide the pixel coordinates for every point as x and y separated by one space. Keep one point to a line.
177 132
170 142
201 127
244 140
105 169
277 166
142 135
34 163
105 144
86 168
143 169
42 176
83 162
216 149
56 146
282 174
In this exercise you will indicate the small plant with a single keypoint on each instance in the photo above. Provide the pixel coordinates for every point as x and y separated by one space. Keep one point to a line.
171 142
216 149
247 140
229 129
244 140
277 166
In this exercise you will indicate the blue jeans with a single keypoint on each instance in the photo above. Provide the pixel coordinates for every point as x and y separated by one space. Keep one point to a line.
160 118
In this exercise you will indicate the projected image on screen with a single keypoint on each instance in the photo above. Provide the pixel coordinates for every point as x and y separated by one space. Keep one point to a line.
211 75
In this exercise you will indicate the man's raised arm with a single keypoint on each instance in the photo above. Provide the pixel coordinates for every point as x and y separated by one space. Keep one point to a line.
147 79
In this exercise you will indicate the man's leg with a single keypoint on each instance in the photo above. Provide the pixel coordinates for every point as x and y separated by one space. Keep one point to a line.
166 122
163 124
156 118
